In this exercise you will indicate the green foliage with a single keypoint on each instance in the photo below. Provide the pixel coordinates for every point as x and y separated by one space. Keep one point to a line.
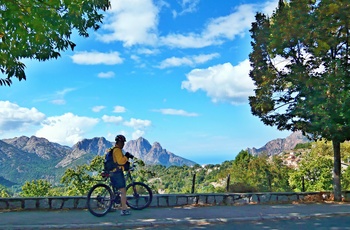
240 167
78 180
17 170
299 96
247 173
41 29
279 175
303 146
261 174
36 188
300 63
315 169
4 192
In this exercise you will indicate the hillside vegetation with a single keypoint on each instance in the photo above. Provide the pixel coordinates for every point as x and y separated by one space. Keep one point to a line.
306 168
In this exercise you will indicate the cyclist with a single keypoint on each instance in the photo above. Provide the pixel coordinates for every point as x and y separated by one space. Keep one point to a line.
117 176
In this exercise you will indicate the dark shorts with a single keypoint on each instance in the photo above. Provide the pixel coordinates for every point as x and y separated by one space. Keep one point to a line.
118 179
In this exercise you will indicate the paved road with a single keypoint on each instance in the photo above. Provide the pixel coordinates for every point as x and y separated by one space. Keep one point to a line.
167 217
312 223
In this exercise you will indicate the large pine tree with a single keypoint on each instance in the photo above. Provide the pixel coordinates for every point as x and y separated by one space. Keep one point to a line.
300 66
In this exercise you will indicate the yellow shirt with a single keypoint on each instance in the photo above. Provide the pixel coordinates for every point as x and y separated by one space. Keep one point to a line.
118 157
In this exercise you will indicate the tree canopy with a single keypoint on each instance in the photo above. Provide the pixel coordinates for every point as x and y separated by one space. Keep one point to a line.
41 29
300 66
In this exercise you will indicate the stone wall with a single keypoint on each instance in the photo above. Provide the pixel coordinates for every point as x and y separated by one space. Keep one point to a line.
171 200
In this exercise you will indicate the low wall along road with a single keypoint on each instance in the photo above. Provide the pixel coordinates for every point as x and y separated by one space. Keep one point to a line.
171 200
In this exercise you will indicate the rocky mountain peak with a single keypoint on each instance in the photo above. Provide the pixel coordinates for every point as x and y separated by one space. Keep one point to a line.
39 146
97 145
156 145
18 142
280 145
139 147
85 147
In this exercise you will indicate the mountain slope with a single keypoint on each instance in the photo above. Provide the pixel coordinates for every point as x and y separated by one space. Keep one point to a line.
18 166
277 146
85 150
31 158
39 146
154 154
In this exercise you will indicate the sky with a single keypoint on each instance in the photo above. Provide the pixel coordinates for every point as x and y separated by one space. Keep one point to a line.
174 72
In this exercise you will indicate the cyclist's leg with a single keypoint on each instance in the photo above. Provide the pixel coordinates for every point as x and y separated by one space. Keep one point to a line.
118 181
123 197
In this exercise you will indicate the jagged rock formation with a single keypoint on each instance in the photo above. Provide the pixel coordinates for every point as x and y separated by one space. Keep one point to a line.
277 146
39 146
86 147
154 154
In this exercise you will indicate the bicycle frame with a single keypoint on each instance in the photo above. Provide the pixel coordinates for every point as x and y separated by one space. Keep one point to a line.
140 194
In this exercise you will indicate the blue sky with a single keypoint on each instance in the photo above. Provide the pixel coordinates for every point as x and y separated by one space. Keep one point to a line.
173 72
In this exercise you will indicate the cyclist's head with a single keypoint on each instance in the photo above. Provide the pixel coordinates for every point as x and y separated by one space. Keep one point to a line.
120 139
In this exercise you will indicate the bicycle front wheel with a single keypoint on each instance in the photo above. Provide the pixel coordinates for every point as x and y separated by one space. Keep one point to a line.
99 200
138 195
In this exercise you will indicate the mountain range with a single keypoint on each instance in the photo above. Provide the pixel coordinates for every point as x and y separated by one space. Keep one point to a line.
31 158
28 158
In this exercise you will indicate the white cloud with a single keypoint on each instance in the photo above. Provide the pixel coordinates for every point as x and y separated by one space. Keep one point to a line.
66 129
58 102
190 40
109 74
16 118
174 61
188 6
135 58
112 119
98 108
178 112
222 82
63 92
59 95
216 31
131 22
148 51
97 58
135 22
138 123
232 25
119 109
190 61
199 59
137 133
269 7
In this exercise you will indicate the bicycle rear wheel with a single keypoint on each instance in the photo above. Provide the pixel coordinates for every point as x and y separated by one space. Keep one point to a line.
99 200
139 195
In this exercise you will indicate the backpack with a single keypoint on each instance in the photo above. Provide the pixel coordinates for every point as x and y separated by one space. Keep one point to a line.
109 164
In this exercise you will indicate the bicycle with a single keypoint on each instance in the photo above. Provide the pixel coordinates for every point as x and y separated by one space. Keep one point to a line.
103 196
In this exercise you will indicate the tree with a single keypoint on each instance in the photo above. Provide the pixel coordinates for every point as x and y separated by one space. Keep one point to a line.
79 180
279 175
259 174
315 169
3 192
239 172
36 188
41 29
300 66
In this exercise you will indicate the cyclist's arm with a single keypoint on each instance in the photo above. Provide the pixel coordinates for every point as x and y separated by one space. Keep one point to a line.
118 156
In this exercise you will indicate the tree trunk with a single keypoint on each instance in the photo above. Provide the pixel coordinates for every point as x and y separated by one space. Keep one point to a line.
336 171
